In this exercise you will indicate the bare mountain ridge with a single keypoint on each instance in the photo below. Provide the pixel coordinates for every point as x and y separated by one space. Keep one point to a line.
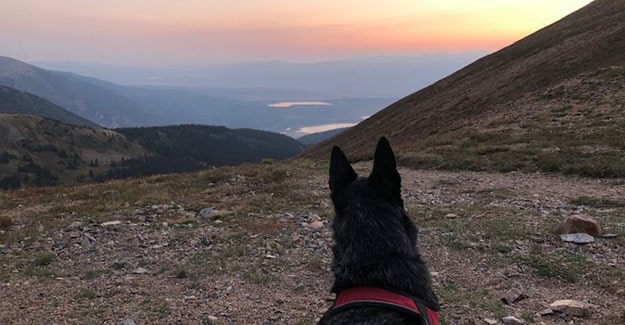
582 43
13 101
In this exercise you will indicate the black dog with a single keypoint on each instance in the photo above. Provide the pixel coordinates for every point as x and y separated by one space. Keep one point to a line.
379 276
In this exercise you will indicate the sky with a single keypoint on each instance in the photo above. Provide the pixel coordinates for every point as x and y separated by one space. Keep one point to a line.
186 32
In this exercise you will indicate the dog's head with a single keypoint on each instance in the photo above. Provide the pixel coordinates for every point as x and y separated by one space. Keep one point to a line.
369 211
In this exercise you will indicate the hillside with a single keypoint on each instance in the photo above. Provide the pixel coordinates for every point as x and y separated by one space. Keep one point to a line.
40 151
551 101
192 147
314 138
74 93
13 101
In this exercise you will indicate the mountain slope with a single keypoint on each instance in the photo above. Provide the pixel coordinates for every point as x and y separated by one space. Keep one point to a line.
41 151
13 101
516 108
73 92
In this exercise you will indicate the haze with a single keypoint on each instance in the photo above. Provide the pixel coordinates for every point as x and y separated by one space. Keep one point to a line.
174 33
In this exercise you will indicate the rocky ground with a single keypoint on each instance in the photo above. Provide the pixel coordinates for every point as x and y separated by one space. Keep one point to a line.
251 245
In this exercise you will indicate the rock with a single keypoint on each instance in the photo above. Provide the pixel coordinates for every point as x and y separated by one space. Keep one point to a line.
111 223
512 320
578 238
140 270
118 265
88 242
609 235
545 312
451 216
512 296
316 225
314 217
128 322
570 307
580 223
490 321
205 213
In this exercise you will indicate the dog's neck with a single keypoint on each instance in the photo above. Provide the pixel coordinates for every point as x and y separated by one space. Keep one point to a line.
406 274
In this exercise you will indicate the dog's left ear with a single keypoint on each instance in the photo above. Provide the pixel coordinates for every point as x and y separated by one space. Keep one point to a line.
384 177
341 172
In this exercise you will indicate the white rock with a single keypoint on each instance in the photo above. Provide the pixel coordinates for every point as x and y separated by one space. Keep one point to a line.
111 223
314 217
316 225
578 238
570 307
512 320
140 270
490 321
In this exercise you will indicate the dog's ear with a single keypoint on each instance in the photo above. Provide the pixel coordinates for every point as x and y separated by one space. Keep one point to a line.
384 177
341 172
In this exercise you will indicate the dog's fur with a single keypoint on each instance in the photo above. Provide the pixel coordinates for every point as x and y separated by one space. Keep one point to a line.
375 241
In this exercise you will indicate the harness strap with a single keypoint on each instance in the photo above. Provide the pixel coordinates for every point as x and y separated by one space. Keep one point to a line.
371 296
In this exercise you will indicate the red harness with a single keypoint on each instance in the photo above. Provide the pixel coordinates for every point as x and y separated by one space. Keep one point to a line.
376 296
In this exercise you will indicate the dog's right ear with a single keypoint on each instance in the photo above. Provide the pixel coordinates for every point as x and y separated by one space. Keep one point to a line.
341 172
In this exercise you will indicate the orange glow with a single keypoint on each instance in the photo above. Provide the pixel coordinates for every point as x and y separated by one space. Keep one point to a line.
204 30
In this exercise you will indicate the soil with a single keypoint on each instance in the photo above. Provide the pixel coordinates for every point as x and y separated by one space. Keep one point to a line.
163 264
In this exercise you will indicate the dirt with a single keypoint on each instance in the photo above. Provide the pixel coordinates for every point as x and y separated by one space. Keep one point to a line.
162 264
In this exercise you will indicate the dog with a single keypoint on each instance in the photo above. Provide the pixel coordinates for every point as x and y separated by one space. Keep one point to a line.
379 275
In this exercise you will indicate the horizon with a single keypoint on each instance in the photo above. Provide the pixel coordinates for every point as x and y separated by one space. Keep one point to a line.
160 33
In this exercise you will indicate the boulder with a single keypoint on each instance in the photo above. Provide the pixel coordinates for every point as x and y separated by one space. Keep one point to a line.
570 307
580 223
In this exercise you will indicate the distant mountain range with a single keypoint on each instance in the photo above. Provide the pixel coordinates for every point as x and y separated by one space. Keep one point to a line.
13 101
552 101
112 105
365 77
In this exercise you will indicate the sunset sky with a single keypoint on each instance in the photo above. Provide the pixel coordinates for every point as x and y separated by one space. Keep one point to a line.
147 32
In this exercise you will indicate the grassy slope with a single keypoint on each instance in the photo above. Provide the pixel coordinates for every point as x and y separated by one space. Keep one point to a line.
64 149
549 84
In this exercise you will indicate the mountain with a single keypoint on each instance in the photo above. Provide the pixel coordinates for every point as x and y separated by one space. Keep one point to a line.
41 151
192 147
551 101
314 138
362 77
13 101
112 105
75 93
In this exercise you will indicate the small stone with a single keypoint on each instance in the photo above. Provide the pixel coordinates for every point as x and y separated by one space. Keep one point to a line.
451 216
578 238
512 296
316 225
609 235
545 312
570 307
128 322
212 318
490 321
118 265
140 270
205 213
181 275
314 217
111 223
580 223
512 320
